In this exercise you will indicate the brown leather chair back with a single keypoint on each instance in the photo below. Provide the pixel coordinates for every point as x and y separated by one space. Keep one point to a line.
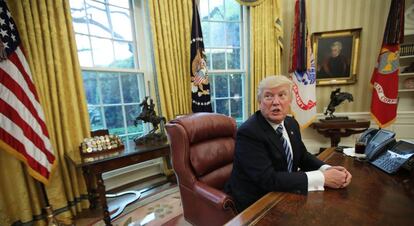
202 147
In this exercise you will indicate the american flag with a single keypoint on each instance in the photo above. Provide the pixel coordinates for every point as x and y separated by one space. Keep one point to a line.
23 131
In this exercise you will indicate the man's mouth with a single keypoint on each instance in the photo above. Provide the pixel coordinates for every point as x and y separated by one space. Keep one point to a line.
276 110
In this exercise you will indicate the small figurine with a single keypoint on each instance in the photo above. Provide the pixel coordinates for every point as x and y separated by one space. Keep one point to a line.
148 114
337 97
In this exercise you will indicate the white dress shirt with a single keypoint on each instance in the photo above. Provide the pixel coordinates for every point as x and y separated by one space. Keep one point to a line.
316 179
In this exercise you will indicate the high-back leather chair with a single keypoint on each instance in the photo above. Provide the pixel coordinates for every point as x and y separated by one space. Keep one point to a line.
202 150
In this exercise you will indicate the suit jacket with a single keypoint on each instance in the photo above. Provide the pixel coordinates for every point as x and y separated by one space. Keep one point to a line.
260 164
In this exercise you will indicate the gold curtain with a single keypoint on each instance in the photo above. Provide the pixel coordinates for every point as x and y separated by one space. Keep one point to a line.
47 36
171 30
266 45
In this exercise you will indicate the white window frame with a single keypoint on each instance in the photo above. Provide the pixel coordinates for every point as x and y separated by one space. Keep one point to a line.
244 60
143 61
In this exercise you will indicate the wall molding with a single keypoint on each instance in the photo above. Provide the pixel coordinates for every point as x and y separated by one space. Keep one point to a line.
132 173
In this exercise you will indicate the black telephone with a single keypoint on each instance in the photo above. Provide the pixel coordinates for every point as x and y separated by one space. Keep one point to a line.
384 152
377 142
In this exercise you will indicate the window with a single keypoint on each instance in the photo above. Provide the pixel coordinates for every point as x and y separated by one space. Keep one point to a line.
222 26
108 54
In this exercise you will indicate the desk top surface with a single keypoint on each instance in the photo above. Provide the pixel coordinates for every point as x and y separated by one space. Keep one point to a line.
129 150
372 198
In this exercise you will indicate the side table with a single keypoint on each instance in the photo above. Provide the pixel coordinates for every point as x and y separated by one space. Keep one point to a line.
337 129
132 154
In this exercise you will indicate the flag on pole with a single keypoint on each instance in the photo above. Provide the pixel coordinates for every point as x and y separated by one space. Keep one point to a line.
200 86
384 79
302 69
23 131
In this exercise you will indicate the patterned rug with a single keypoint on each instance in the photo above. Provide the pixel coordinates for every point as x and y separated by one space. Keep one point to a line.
155 210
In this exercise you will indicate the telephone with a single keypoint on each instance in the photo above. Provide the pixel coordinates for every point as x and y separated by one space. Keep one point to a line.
384 152
380 141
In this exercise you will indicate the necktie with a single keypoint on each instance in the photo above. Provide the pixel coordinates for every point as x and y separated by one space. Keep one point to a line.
286 148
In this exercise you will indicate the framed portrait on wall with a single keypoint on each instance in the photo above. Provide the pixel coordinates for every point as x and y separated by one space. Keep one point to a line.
336 56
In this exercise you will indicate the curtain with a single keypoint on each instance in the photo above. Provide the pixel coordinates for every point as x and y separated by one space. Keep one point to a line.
266 45
171 30
47 36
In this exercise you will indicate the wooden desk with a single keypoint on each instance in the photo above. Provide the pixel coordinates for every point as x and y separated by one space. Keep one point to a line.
94 167
337 129
372 198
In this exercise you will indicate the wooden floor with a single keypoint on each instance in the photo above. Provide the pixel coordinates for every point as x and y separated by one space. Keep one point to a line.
148 187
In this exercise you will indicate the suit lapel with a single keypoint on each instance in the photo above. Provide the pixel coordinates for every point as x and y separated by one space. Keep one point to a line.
272 136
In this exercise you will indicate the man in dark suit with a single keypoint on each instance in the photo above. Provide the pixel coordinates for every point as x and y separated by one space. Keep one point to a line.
270 154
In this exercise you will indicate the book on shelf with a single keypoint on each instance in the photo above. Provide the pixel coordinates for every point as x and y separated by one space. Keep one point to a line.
407 49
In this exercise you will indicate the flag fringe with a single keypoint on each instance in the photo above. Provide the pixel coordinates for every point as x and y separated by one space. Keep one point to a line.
380 124
19 156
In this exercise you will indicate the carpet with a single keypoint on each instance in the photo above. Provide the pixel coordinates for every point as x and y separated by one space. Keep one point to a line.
154 210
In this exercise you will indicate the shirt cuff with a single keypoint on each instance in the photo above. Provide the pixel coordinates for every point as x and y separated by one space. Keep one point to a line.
324 167
316 180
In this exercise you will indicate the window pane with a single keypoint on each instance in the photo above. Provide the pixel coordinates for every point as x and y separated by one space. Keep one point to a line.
98 19
124 55
218 59
221 87
235 85
84 50
205 29
103 54
216 10
114 119
208 58
90 83
233 34
78 12
237 109
130 88
232 10
95 117
121 23
223 106
110 88
216 31
233 59
121 3
212 89
203 10
131 112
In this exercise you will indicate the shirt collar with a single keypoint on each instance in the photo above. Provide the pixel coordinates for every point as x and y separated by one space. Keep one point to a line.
274 125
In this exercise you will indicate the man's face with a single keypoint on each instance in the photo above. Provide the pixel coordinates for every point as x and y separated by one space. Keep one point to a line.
275 103
335 51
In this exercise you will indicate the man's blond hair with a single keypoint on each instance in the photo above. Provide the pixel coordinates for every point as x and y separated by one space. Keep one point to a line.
273 81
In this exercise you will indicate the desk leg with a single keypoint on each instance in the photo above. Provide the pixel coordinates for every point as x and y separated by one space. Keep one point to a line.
102 198
89 185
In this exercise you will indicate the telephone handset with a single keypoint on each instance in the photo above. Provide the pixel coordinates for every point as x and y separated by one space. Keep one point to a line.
367 135
379 142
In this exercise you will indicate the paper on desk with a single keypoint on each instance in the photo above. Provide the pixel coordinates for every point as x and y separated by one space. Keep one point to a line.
351 152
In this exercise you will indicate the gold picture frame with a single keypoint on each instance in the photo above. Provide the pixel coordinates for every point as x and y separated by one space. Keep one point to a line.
336 56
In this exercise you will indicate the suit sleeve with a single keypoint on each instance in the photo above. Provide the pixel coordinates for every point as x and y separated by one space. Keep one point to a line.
254 159
307 162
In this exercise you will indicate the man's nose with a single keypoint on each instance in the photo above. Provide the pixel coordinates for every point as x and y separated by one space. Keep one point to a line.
275 101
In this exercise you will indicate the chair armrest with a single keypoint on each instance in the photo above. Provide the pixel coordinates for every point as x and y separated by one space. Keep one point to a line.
216 197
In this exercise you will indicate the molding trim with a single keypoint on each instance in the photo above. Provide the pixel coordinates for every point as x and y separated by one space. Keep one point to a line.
133 173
